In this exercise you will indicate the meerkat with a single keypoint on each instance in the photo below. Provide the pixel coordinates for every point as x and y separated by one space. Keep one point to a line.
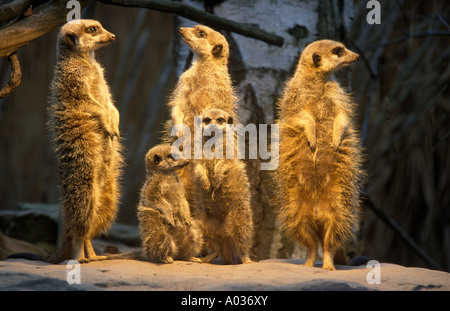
320 155
223 199
85 129
166 227
207 83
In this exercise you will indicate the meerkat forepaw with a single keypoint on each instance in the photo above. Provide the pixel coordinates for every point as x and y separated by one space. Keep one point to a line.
312 145
217 185
112 135
195 259
168 259
188 223
207 186
336 145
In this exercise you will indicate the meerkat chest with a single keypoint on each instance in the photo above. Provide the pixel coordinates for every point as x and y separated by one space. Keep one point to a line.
206 90
98 88
326 109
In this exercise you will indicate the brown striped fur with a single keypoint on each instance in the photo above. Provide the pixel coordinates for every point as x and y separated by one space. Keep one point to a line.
84 124
320 168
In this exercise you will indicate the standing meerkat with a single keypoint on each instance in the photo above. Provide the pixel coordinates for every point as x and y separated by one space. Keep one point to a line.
320 168
85 129
207 83
166 227
223 199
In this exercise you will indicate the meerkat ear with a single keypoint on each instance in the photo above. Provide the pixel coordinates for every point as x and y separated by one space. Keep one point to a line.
71 39
217 50
230 120
157 159
316 59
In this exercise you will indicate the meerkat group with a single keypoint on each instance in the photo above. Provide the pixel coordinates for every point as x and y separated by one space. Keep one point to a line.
201 211
219 188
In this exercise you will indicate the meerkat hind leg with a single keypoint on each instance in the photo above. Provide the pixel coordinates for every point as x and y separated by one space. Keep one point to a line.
308 237
328 263
329 248
78 250
90 253
210 257
312 246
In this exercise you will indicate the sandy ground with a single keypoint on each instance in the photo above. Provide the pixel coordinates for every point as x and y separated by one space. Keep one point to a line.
273 274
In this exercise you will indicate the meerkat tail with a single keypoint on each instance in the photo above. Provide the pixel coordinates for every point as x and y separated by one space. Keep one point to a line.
136 255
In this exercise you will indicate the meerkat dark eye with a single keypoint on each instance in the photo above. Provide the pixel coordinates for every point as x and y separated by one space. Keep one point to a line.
92 29
339 51
201 34
220 120
207 120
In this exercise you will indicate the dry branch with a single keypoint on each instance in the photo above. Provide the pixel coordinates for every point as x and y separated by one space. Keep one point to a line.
202 17
11 10
24 28
16 76
42 20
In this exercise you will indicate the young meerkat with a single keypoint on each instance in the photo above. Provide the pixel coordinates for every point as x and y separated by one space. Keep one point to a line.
85 129
167 229
223 198
320 156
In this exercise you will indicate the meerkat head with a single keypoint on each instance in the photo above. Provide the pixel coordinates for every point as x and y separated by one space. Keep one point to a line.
206 43
164 158
214 120
83 36
326 56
